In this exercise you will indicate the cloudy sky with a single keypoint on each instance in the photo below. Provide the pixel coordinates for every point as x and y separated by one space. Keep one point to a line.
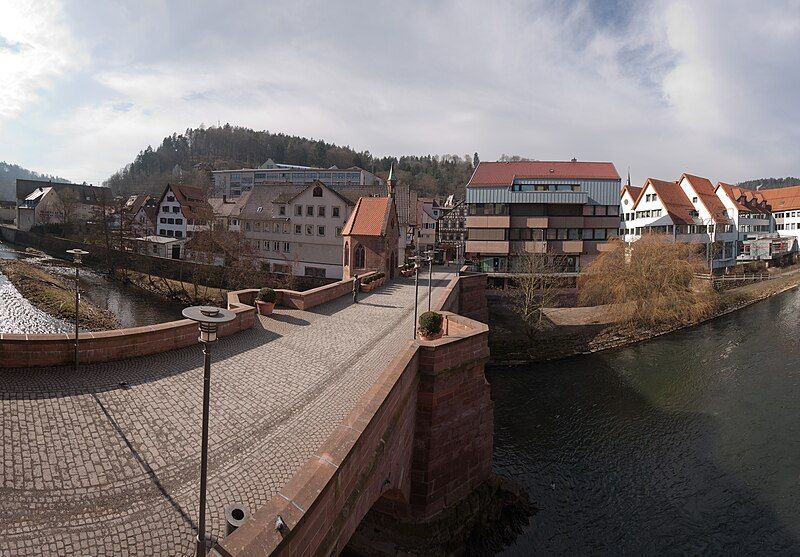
709 87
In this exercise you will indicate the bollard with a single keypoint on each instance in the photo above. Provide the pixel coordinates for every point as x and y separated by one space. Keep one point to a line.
235 515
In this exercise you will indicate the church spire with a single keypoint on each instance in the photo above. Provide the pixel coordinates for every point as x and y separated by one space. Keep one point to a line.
391 181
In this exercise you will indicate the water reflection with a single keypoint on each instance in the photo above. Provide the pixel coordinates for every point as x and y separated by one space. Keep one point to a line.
686 444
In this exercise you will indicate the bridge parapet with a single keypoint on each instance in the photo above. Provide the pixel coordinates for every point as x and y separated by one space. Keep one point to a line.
419 441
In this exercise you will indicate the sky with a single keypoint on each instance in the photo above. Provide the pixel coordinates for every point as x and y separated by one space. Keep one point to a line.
707 87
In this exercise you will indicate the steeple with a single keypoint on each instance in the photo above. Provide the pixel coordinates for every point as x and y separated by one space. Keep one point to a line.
629 175
391 181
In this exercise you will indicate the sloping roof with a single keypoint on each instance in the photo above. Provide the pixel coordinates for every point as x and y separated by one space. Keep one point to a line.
708 197
673 199
192 199
224 207
369 217
782 199
135 202
633 191
493 174
264 196
745 199
84 193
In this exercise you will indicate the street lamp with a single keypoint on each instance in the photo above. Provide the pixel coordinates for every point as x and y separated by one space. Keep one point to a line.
416 259
208 319
77 254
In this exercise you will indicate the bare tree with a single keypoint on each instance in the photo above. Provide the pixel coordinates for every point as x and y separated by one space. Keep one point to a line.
654 283
537 289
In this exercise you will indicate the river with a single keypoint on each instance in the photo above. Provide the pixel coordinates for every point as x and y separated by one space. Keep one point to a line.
132 306
686 444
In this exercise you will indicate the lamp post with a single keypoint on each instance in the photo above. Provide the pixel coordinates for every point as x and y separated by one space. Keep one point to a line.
77 254
208 319
416 259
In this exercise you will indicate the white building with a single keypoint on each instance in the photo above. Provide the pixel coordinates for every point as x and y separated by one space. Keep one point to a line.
689 210
182 211
232 183
785 206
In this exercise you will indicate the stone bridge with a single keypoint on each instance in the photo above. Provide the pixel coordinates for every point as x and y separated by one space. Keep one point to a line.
317 415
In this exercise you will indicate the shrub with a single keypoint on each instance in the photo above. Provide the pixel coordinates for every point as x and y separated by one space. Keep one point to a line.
267 295
430 323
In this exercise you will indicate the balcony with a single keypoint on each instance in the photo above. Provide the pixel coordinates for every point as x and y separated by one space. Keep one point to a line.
489 221
488 247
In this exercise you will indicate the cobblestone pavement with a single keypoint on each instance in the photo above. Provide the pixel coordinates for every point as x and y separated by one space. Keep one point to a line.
92 467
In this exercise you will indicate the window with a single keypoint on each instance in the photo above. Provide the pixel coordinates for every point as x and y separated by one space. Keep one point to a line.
287 247
178 234
694 200
155 248
335 212
338 230
162 220
170 198
276 228
162 232
170 233
276 246
259 209
317 192
298 229
321 230
315 272
247 226
321 211
359 257
282 210
165 209
176 209
178 221
285 227
310 211
298 210
309 229
170 221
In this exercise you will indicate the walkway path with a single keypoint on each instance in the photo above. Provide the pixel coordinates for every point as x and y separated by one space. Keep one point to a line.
90 465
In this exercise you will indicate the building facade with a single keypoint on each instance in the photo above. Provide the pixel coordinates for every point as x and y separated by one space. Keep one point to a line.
452 230
41 202
232 183
784 204
428 213
370 238
565 208
182 211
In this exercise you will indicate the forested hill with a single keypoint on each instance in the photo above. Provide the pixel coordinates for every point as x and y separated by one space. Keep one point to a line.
8 179
193 154
770 183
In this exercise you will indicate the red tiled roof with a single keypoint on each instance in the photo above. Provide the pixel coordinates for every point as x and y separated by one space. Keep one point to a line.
192 199
490 174
708 197
673 199
634 191
744 199
782 199
369 217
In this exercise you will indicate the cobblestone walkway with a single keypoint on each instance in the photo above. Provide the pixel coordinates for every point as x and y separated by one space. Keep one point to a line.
92 467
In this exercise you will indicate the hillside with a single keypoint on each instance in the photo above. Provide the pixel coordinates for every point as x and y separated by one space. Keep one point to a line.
8 179
770 183
194 153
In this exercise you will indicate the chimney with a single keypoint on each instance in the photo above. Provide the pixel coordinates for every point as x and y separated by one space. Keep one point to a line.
574 159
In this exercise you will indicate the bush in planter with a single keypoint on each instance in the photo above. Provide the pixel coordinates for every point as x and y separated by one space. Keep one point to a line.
430 323
267 295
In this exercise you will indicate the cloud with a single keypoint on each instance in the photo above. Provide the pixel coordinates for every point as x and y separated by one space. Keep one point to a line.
663 86
36 46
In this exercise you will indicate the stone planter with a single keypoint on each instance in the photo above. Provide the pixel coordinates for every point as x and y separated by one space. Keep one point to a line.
265 308
434 336
367 287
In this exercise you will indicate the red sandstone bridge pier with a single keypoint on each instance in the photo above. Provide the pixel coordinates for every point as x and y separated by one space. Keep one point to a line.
317 415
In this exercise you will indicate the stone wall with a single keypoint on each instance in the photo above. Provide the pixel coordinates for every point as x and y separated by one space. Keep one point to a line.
28 350
418 442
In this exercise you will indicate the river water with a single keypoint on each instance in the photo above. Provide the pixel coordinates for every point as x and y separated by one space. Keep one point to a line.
686 444
131 305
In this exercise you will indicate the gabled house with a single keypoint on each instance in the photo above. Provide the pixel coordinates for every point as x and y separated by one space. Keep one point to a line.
182 211
785 205
370 238
748 209
41 202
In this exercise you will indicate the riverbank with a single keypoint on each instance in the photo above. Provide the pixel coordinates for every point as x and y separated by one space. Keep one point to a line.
578 331
55 296
183 292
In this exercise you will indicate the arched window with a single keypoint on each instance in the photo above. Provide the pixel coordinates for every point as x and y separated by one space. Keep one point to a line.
317 191
360 257
346 253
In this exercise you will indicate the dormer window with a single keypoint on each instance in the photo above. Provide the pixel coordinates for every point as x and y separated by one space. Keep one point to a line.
317 192
259 209
694 200
282 210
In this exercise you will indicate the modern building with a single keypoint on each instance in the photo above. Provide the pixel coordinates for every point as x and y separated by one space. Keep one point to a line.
232 183
160 246
565 208
371 238
182 211
41 202
452 230
785 206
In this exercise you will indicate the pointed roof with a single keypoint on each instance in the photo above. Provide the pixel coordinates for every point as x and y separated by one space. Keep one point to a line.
708 197
633 191
673 198
782 199
391 174
370 217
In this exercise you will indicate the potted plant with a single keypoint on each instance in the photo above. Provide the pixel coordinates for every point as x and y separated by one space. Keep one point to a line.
430 326
368 283
265 301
